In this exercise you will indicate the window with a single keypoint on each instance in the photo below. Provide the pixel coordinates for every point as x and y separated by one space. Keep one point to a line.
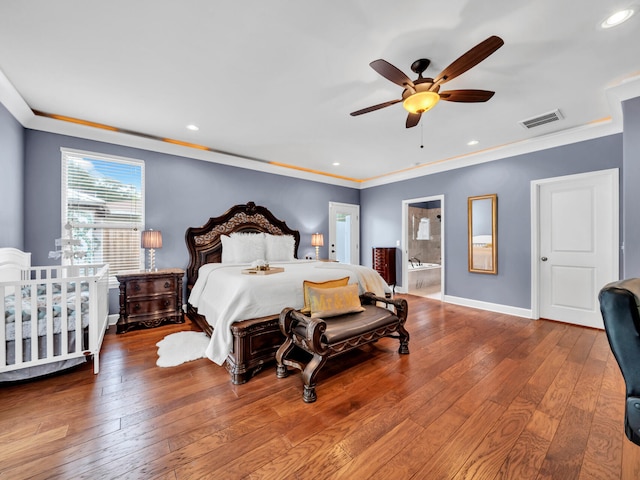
103 209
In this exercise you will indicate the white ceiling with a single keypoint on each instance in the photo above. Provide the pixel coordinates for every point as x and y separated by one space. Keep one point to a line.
275 80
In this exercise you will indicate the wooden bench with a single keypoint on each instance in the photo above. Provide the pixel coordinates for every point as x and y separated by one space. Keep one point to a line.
322 339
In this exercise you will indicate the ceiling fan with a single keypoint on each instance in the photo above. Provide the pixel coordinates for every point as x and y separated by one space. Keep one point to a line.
423 93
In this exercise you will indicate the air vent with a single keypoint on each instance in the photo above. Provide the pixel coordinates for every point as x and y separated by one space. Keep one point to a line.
542 119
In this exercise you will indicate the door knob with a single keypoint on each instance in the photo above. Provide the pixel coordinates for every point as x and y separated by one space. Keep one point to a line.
544 259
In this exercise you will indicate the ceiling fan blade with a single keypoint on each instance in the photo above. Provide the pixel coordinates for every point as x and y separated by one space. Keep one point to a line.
467 96
391 73
375 107
413 119
469 59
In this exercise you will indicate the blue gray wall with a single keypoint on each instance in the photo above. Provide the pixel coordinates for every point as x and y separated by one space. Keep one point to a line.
180 193
630 190
11 181
381 211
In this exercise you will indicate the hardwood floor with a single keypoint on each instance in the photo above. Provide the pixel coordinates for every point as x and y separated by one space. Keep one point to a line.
481 396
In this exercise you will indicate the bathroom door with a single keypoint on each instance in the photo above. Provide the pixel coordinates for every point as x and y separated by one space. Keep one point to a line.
344 233
576 252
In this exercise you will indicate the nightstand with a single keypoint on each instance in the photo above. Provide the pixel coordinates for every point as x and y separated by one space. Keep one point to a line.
149 299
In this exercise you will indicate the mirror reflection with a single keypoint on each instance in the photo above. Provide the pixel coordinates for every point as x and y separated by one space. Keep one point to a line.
483 251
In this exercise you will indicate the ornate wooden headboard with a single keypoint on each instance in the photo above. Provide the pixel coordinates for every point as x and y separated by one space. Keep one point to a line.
204 242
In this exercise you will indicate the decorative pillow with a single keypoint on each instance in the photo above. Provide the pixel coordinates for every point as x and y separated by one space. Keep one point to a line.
280 248
331 302
338 282
243 247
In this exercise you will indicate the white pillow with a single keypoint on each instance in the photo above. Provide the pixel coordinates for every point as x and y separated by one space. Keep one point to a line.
243 247
280 248
228 252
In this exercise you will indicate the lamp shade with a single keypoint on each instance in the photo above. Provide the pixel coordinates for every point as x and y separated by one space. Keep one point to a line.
317 240
420 102
151 239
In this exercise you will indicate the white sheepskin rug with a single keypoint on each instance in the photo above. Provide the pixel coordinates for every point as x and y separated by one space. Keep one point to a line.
181 347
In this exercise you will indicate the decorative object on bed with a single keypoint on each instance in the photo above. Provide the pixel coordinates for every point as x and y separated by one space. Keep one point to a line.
317 240
263 271
54 316
149 299
241 312
483 233
181 347
151 239
311 341
260 265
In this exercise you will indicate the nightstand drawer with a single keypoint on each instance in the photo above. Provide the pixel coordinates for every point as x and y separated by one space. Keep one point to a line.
158 305
147 286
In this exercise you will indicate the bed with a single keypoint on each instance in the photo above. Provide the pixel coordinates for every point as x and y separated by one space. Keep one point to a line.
240 311
59 338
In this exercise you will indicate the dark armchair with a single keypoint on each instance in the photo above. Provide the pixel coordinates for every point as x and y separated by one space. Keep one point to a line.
619 304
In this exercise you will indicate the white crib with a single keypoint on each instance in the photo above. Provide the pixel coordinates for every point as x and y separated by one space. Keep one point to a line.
49 294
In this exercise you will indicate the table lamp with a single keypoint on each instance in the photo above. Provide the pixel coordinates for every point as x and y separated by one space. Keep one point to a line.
317 240
152 239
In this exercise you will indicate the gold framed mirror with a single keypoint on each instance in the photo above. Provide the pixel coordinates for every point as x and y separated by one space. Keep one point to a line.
483 233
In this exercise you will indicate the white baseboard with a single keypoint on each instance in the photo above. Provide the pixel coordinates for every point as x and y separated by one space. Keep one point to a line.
491 307
113 319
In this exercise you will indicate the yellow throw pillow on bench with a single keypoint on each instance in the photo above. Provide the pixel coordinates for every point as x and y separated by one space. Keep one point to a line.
331 302
339 282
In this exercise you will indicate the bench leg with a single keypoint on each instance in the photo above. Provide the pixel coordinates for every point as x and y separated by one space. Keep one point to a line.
309 394
309 375
281 371
281 354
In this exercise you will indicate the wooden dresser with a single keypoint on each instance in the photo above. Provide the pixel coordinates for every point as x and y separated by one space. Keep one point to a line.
149 299
384 262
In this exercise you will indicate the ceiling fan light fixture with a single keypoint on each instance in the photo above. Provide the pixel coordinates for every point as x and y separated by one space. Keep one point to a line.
420 102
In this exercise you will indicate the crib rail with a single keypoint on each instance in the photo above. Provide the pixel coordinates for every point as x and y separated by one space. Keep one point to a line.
37 335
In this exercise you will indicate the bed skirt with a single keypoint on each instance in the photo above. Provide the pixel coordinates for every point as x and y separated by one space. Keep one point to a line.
44 369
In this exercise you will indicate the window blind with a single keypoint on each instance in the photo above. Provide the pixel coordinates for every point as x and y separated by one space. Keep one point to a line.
103 208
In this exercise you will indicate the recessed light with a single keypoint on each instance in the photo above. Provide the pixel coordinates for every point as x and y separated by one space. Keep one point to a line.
193 127
336 164
617 18
472 142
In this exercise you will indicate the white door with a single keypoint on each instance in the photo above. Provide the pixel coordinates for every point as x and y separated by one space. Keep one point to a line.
344 233
577 251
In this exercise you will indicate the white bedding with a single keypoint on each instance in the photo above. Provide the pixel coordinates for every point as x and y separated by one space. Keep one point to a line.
223 295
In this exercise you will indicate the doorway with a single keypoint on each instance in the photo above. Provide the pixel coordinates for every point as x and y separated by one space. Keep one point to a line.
575 245
344 233
423 246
